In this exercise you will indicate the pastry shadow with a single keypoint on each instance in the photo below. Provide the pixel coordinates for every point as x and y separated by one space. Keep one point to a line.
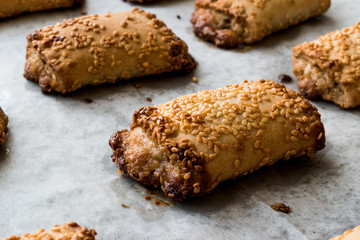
139 87
293 173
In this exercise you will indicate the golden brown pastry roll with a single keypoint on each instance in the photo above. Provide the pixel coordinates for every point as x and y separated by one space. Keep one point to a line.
91 50
190 144
67 231
3 126
329 67
10 8
230 23
353 234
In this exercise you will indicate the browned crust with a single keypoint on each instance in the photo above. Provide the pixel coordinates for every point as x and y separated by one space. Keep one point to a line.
329 67
203 26
67 231
188 152
231 23
62 59
3 126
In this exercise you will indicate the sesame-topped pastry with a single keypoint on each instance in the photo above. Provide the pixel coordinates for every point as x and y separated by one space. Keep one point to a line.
10 8
67 231
3 126
91 50
230 23
329 67
190 144
353 234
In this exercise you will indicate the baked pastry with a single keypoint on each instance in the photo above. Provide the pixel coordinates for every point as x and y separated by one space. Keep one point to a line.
353 234
67 231
230 23
3 126
16 7
190 144
91 50
329 67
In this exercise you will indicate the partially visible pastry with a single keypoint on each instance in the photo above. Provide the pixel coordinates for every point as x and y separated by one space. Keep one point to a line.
190 144
329 67
67 231
353 234
92 50
10 8
3 126
230 23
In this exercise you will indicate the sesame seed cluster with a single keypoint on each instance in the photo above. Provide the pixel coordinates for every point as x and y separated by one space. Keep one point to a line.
232 127
352 234
329 67
16 7
230 23
95 49
3 126
67 231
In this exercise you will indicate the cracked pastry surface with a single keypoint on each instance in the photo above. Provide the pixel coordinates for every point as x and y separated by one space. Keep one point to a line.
3 126
329 67
190 144
67 231
16 7
353 234
95 49
230 23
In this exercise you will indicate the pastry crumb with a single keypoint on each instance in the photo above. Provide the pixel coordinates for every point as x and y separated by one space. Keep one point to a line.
149 99
88 100
124 206
178 16
281 207
283 78
195 79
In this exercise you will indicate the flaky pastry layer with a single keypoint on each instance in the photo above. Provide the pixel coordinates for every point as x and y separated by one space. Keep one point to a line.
67 231
190 144
95 49
329 67
230 23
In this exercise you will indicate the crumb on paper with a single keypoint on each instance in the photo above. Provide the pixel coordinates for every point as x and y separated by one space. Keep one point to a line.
178 16
156 201
88 100
284 78
195 79
281 207
149 99
124 206
84 13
